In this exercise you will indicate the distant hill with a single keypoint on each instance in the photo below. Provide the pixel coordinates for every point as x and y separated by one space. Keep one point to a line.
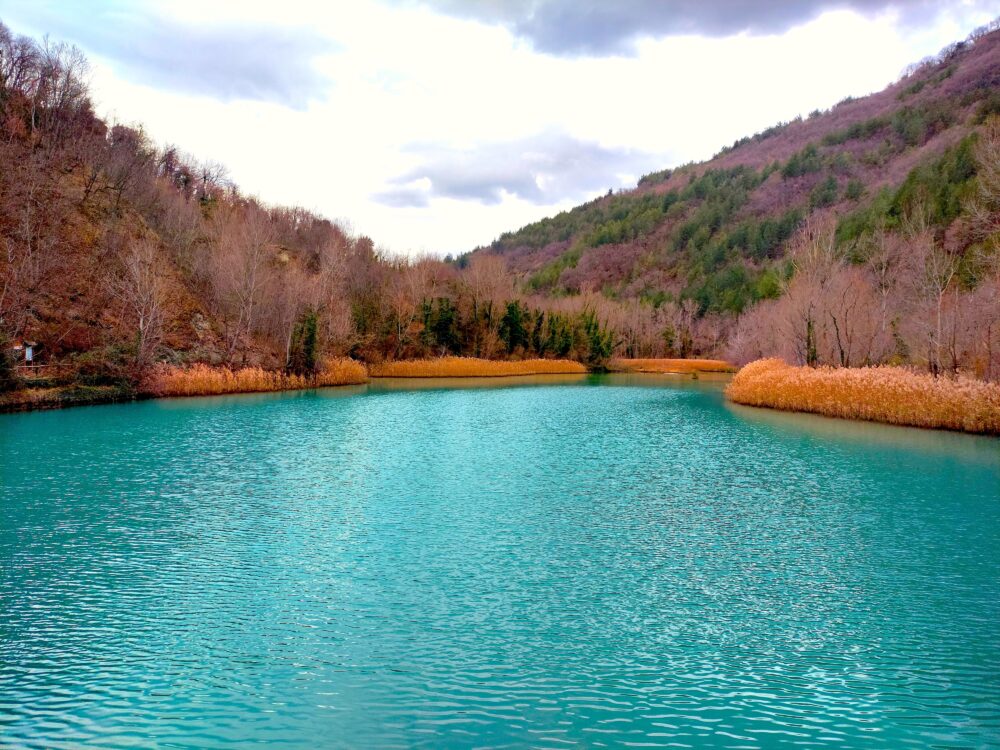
716 232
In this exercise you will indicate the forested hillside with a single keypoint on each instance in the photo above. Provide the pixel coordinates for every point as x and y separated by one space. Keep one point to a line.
119 254
868 233
895 189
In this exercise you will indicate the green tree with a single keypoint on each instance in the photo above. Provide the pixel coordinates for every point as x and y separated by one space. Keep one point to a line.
303 350
560 335
538 339
600 342
513 331
441 325
855 189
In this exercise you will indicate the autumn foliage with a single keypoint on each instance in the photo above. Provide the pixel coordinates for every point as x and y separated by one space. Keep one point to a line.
865 235
893 395
466 367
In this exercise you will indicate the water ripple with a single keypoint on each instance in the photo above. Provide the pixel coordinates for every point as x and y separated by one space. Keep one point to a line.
557 566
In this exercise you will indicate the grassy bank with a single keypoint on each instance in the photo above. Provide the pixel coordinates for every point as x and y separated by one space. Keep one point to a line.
207 380
670 366
204 380
57 397
470 367
193 380
878 394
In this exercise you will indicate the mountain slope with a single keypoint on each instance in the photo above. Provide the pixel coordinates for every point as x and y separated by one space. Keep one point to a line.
717 232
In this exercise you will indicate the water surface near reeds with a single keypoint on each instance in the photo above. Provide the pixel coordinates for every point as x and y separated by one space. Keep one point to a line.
561 561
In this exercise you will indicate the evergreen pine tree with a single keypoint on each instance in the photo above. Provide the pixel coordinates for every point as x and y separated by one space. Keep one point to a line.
303 350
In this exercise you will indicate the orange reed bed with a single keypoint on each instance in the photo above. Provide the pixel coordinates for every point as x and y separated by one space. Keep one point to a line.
878 394
470 367
204 380
673 366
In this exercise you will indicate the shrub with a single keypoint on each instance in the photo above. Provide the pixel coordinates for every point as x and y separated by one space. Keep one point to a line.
879 394
824 194
854 190
341 371
204 380
805 161
655 178
8 374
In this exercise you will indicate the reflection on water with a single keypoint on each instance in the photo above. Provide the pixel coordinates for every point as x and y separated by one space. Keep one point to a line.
378 385
966 447
704 381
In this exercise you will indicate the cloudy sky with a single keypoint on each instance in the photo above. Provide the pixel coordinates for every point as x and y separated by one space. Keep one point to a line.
434 125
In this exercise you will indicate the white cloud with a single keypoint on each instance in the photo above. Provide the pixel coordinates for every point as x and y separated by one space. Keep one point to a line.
395 77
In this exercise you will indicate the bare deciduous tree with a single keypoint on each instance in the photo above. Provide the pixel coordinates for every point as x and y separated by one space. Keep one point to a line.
237 272
141 290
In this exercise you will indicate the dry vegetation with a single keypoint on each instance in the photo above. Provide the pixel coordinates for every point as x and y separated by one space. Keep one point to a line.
892 395
471 367
341 371
204 380
56 397
868 234
671 366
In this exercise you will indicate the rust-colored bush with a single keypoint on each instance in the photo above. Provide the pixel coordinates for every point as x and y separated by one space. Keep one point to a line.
341 371
464 367
204 380
879 394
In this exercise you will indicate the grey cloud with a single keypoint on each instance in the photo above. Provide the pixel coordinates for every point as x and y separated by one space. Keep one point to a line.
611 27
543 170
232 61
403 197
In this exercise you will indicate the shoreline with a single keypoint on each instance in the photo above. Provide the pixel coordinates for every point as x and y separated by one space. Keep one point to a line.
880 395
884 395
474 377
205 380
671 366
65 397
474 367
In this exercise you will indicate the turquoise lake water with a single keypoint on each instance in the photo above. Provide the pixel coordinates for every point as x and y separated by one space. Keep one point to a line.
588 562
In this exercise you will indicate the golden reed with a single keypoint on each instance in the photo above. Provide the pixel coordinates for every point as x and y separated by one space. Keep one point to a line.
672 366
205 380
468 367
878 394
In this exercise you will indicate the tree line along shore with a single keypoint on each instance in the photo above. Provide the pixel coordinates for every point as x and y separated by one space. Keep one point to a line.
200 379
890 395
867 235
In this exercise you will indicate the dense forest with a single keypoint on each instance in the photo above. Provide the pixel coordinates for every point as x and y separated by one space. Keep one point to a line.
865 234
